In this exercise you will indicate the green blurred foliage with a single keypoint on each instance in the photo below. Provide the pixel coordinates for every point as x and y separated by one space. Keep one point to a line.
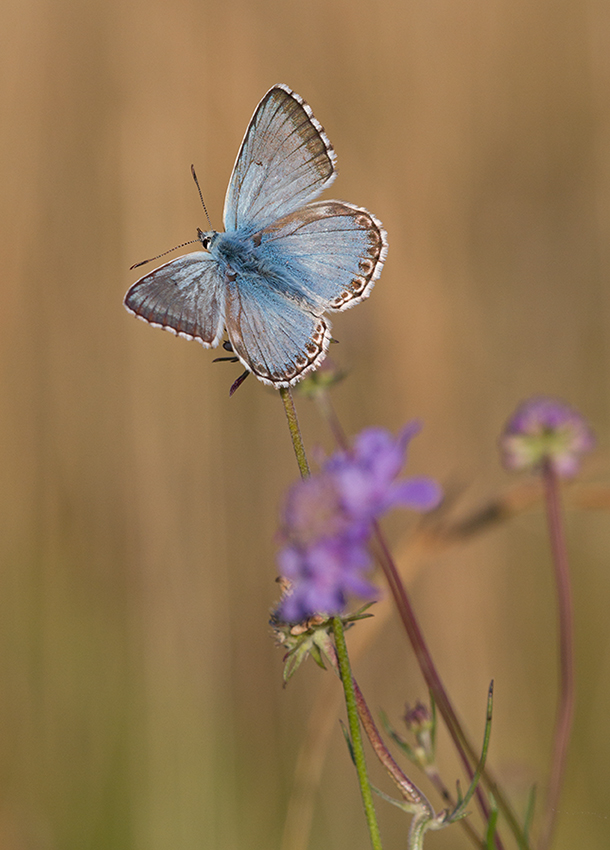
141 703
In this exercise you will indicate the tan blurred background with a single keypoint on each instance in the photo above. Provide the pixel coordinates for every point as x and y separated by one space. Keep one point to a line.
141 703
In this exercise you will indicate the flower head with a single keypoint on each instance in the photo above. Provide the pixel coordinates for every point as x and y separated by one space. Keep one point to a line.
546 430
328 521
312 511
366 476
322 576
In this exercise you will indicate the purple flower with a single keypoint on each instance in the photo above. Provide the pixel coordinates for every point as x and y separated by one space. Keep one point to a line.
313 511
546 430
365 477
328 521
322 576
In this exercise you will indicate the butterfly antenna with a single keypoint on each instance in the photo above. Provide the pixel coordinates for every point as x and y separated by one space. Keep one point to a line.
143 262
205 209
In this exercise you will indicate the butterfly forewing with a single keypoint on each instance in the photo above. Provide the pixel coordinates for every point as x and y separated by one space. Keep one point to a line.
333 251
285 160
185 296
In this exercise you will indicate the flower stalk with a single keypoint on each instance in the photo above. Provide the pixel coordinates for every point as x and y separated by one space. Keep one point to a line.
341 648
547 436
565 701
295 431
355 734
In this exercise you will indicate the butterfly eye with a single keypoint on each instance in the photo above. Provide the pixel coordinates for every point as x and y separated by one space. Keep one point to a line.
205 238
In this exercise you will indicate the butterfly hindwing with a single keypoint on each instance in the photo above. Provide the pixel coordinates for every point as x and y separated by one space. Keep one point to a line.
333 251
278 338
285 160
185 296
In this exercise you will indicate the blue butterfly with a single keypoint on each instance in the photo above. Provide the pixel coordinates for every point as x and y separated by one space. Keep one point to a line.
282 261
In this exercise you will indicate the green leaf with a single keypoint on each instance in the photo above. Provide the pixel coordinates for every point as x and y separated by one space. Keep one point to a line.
459 810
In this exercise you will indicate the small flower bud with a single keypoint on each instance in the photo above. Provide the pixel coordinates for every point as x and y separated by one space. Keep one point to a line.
420 723
417 718
546 430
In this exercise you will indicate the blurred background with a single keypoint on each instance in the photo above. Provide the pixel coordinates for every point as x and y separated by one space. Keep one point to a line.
141 699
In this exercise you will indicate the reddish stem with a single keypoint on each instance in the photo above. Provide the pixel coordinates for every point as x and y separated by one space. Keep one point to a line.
565 700
429 671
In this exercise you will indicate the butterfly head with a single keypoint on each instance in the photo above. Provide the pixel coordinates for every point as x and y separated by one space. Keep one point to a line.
207 238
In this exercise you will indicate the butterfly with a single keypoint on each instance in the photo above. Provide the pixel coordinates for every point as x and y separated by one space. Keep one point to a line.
283 260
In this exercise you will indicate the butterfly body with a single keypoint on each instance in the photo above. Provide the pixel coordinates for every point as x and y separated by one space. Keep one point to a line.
283 260
234 250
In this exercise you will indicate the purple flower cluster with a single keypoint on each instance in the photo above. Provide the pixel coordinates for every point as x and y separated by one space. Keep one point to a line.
328 521
546 430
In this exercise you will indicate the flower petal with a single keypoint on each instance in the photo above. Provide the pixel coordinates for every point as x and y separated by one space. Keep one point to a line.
419 494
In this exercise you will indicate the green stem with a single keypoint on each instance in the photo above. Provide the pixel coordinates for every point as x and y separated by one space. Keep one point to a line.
295 432
344 665
419 825
355 734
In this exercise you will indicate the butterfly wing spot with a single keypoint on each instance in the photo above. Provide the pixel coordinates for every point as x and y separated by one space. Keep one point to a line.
289 374
366 266
357 287
363 221
319 335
